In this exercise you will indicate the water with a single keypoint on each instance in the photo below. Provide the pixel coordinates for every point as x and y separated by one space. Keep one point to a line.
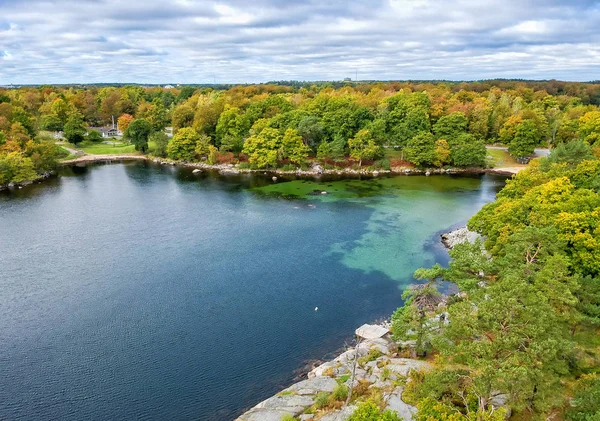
133 291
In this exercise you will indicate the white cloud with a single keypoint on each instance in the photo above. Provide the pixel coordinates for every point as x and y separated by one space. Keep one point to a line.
239 41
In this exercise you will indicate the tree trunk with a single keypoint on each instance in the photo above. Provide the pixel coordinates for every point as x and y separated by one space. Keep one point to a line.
353 372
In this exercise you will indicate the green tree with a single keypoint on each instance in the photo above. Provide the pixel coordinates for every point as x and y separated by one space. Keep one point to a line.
158 142
467 151
311 131
524 141
293 148
572 153
263 148
51 123
586 402
324 151
138 132
74 130
420 150
451 126
203 145
363 146
183 145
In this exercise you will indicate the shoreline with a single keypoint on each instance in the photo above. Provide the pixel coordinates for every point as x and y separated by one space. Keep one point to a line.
315 171
380 365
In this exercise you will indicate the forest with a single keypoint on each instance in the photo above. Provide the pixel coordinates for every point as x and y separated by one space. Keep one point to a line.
521 337
289 125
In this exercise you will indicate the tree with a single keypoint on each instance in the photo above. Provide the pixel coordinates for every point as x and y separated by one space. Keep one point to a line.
203 145
183 116
94 136
263 148
183 145
74 130
466 151
158 142
51 123
571 153
420 150
442 153
589 127
138 132
450 126
324 151
586 402
293 148
524 140
124 121
363 146
311 131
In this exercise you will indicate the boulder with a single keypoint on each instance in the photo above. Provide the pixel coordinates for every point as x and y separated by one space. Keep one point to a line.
263 415
403 366
313 386
196 171
340 415
294 404
320 370
367 331
395 403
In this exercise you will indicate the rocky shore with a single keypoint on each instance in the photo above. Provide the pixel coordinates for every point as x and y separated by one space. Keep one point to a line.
22 184
458 236
379 366
315 170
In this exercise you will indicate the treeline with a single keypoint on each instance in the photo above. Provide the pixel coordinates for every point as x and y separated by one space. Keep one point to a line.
522 335
425 124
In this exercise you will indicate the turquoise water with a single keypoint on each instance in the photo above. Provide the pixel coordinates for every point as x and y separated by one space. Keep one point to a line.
134 291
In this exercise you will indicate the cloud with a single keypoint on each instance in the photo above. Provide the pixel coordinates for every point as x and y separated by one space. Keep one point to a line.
188 41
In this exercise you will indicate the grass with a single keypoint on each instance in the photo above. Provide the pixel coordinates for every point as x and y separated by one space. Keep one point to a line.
373 354
501 159
104 149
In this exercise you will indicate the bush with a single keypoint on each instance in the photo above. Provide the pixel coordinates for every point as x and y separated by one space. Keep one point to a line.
321 400
340 393
369 411
373 354
383 164
586 402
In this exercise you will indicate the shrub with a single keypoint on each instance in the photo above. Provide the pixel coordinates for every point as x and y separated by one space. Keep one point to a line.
321 400
340 393
373 354
369 411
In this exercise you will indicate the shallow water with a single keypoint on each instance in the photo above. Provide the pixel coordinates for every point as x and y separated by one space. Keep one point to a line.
134 291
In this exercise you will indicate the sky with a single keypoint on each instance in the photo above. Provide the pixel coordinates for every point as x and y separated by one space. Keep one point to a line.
252 41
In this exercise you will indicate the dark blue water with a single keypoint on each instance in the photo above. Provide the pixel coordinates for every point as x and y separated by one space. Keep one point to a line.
134 291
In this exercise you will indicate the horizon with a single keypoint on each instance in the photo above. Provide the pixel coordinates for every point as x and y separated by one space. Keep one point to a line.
231 42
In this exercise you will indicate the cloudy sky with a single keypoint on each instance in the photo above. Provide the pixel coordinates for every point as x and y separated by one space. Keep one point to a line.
189 41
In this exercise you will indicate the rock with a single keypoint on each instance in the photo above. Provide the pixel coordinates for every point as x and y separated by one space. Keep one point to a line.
306 417
427 173
395 403
313 386
340 415
458 236
318 371
403 366
500 400
375 173
263 415
196 171
383 345
317 168
324 192
367 331
294 404
274 178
